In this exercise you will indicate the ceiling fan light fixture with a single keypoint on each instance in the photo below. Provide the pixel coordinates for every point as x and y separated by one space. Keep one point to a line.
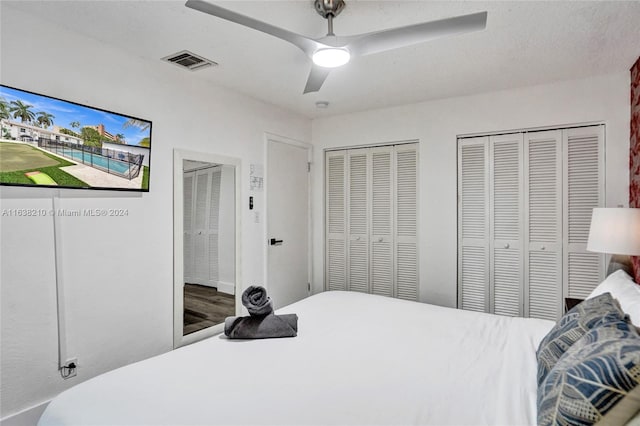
331 57
330 51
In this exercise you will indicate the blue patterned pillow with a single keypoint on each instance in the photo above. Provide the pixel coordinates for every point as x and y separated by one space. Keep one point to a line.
572 326
598 378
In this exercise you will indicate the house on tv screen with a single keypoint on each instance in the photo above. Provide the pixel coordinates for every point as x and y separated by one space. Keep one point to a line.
41 136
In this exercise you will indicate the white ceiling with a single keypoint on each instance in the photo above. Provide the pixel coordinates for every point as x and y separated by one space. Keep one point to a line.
525 43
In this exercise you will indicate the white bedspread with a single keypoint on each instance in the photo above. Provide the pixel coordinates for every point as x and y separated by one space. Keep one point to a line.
358 360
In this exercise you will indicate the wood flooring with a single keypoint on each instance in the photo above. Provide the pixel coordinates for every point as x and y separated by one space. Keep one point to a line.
205 306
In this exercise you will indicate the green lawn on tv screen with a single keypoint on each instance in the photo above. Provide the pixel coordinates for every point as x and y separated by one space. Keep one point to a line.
16 159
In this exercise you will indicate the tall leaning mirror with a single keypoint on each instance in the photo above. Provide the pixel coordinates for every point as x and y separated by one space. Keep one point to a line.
206 244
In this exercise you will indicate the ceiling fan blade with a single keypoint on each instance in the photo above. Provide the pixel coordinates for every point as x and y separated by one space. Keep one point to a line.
394 38
306 44
317 76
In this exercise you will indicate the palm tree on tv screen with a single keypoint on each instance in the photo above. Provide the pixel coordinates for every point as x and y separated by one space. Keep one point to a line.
74 125
45 119
22 111
142 125
5 114
5 110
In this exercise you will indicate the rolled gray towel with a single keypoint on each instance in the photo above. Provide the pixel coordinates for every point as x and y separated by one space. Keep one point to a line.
261 327
256 301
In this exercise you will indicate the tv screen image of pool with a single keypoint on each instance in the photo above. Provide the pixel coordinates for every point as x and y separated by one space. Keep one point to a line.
50 142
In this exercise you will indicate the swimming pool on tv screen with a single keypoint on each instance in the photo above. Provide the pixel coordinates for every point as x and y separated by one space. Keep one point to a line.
89 158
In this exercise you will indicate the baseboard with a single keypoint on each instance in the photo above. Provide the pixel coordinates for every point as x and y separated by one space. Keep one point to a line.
228 288
27 417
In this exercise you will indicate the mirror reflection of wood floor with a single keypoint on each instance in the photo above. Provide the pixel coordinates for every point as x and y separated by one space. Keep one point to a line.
205 306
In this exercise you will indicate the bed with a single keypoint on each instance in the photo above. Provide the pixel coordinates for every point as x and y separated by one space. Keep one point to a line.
358 359
361 359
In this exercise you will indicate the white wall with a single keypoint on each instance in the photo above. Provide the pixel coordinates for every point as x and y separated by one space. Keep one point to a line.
436 125
117 270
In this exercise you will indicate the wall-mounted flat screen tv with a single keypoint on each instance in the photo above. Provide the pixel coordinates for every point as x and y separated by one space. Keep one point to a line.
49 142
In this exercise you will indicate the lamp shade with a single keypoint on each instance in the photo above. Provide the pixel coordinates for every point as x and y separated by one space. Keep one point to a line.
615 231
331 57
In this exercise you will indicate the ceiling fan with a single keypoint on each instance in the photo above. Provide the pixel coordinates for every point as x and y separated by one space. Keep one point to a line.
333 51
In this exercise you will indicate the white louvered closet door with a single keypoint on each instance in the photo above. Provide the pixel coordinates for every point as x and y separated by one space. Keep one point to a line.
188 182
473 224
406 215
584 186
200 225
213 225
524 256
506 227
358 223
371 220
336 231
201 217
382 241
543 225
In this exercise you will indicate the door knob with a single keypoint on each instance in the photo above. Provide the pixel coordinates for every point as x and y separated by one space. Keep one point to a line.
506 246
275 242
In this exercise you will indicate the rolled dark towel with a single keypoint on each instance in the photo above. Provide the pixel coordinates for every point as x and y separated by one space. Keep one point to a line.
261 327
256 301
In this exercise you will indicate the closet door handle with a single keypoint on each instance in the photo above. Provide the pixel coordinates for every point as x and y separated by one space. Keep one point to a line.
507 246
275 242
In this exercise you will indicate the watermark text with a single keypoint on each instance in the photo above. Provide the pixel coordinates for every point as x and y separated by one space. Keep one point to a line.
64 212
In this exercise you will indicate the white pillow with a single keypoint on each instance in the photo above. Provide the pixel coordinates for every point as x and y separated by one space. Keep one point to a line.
624 290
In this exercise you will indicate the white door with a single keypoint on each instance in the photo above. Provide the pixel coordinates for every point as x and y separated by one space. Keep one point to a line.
583 182
382 221
189 183
201 212
505 226
371 220
335 217
406 221
543 186
473 224
543 225
358 220
200 227
287 184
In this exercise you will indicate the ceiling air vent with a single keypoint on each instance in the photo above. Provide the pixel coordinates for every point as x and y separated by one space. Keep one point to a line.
189 60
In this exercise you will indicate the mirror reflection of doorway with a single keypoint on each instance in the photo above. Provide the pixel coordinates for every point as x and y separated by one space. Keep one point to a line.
209 244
